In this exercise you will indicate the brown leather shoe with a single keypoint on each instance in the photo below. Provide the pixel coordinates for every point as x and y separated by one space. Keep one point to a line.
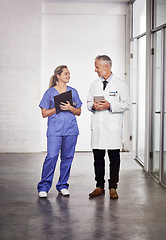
97 192
113 193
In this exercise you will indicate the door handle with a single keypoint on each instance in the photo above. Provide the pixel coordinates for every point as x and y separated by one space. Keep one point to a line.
158 112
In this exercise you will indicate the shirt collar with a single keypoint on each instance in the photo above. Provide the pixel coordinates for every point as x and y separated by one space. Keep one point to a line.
108 79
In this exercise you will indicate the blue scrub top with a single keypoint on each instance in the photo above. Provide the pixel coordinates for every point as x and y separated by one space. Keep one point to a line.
63 123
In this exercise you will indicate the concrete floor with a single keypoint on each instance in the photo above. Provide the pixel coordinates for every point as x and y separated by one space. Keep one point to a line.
138 214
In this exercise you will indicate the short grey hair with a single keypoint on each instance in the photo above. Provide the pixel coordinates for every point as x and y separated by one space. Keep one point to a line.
104 58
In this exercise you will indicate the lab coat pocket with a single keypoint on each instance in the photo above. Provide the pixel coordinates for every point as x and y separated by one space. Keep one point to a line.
94 120
113 97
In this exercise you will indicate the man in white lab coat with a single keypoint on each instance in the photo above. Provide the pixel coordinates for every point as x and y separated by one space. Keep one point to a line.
108 98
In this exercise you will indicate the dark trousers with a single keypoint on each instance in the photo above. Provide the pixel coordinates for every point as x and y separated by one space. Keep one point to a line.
99 167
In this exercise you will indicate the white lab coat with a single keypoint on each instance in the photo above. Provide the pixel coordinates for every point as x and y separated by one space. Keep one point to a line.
106 125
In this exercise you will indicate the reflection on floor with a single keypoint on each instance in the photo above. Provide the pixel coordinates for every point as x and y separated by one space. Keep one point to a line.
138 214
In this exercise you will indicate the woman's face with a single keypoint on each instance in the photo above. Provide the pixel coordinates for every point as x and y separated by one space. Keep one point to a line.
65 76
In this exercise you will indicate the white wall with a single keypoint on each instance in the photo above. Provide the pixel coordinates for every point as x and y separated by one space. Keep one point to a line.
20 57
74 34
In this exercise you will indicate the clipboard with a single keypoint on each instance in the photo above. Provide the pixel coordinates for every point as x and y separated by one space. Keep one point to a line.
63 97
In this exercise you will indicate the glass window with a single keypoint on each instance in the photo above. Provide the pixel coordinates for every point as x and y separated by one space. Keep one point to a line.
164 154
133 96
159 12
141 96
139 17
156 103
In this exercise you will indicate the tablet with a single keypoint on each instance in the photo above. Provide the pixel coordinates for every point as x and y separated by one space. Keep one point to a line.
98 98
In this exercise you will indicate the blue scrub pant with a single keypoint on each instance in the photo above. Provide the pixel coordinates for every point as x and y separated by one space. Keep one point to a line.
65 144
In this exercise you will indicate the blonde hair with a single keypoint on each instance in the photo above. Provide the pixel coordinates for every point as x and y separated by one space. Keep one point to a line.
54 78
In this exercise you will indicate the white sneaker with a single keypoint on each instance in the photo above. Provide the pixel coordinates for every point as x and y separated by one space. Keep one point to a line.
64 192
42 194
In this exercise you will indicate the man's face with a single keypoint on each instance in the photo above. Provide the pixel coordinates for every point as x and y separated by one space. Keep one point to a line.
100 68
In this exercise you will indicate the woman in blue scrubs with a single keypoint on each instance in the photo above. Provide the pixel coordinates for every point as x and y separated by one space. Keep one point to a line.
62 132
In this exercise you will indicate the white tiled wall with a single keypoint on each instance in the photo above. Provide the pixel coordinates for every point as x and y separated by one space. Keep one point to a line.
20 80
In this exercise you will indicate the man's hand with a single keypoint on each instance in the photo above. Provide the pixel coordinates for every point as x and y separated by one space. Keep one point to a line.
101 105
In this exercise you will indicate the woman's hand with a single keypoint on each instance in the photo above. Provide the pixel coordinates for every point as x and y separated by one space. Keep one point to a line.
67 106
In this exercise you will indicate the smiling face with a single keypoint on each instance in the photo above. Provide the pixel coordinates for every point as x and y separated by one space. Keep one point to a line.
64 76
100 68
103 69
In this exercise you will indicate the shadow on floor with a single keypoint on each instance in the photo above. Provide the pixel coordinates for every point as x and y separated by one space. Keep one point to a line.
139 213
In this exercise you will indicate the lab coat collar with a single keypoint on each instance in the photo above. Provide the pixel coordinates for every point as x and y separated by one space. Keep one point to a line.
108 79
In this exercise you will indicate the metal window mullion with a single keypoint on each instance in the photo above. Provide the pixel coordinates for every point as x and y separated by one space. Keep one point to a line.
162 106
156 29
152 14
132 24
137 100
151 101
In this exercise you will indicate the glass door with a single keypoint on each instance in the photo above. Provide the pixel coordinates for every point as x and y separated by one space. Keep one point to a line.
133 96
156 104
137 85
141 97
164 153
